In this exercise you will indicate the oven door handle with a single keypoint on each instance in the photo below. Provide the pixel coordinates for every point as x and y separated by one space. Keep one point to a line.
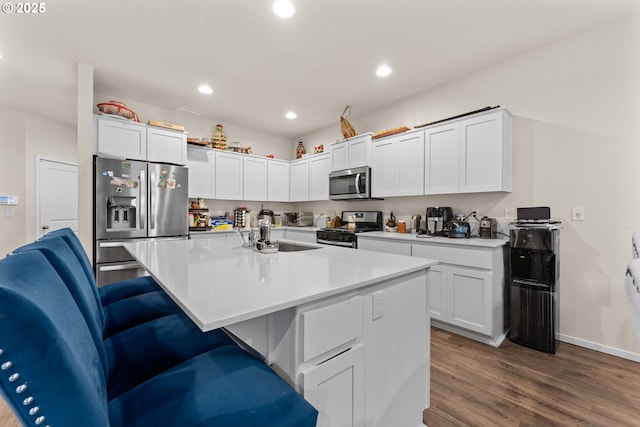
334 243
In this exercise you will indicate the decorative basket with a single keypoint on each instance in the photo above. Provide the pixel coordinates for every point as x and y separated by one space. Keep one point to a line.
347 130
119 109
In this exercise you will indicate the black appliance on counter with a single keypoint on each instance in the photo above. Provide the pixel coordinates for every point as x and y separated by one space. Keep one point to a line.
457 229
437 217
534 280
353 222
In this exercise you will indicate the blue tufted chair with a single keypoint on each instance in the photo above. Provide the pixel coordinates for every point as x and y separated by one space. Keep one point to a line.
51 372
112 292
112 318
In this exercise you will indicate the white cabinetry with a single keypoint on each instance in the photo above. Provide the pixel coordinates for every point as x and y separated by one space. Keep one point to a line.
384 245
131 140
486 153
201 164
397 165
442 159
466 290
120 138
351 153
319 168
166 146
255 178
299 180
469 155
278 181
229 176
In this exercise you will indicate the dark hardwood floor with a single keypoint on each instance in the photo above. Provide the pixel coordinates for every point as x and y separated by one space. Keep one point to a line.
473 384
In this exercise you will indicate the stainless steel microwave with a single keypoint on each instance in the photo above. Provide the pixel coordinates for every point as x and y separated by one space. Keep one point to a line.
350 184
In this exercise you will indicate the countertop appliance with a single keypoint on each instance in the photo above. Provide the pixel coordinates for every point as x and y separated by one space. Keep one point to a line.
135 200
437 217
534 284
299 219
457 229
488 228
350 184
354 222
415 224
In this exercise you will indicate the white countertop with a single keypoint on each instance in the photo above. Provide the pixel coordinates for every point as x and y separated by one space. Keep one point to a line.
218 287
412 238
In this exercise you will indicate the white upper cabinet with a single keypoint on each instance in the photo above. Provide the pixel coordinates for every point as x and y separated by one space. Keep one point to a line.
229 176
278 181
485 147
470 155
166 146
351 153
442 159
201 165
255 178
299 180
127 139
397 165
120 138
319 168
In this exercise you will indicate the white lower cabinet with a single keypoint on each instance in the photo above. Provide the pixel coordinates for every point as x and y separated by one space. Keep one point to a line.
336 388
466 290
461 297
386 246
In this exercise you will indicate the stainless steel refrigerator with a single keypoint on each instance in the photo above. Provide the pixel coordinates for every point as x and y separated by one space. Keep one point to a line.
135 200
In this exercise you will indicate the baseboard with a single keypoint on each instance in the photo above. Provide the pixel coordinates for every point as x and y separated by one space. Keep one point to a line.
599 347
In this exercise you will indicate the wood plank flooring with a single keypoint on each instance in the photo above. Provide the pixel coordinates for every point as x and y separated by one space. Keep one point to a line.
473 384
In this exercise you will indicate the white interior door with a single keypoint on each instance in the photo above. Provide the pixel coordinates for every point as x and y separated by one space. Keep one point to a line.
56 196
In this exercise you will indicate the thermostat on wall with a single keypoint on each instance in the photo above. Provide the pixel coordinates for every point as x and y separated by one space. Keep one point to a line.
8 200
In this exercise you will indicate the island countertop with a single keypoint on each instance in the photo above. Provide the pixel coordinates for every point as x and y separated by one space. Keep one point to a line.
218 287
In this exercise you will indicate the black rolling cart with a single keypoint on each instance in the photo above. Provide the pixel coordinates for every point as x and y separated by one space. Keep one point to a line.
534 272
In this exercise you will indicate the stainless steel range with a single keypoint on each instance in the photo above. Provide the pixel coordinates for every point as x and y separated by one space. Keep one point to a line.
353 222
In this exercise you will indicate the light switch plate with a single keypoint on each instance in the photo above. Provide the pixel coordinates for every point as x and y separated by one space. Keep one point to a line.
508 213
577 214
377 305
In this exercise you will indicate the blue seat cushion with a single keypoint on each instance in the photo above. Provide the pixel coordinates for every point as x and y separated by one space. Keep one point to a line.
139 353
135 310
122 289
225 387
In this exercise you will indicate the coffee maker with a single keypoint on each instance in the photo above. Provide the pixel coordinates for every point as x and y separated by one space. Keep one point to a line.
437 217
488 228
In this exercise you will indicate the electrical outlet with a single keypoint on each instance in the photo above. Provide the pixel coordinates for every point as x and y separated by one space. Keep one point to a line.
508 213
577 214
477 212
377 305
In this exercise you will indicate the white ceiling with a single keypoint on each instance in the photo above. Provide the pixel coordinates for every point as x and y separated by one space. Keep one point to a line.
261 66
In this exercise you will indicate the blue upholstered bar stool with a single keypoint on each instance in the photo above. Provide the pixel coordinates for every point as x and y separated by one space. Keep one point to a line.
52 372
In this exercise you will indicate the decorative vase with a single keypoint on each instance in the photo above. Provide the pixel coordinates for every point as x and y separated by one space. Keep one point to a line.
300 151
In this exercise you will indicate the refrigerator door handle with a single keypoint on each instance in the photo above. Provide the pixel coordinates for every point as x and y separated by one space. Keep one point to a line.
152 210
142 208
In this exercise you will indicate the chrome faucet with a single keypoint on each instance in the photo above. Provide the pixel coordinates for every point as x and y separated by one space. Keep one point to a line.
250 243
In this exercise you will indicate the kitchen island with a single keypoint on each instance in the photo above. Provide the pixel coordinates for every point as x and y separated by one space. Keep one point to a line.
334 322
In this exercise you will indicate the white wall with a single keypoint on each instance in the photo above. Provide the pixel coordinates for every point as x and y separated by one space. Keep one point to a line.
576 133
22 137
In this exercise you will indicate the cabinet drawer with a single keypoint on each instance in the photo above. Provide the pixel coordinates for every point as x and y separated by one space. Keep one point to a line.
328 327
468 257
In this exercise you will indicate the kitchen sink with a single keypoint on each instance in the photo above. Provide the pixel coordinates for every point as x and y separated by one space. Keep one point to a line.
294 247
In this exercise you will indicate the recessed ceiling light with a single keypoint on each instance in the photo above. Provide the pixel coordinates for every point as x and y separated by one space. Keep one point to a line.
383 71
205 89
283 8
291 115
